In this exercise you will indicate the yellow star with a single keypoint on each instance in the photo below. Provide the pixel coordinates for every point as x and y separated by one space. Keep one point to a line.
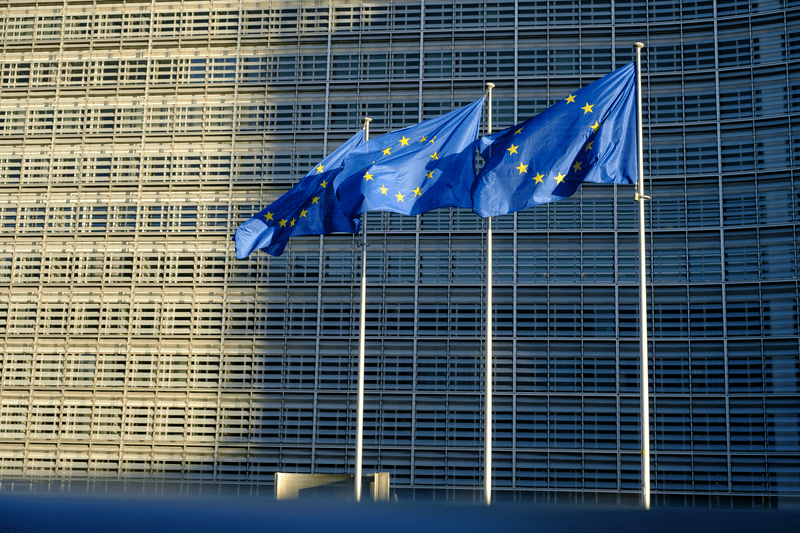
435 155
384 190
522 168
423 139
404 141
315 200
589 146
399 197
595 126
291 223
577 166
429 175
323 184
570 99
367 176
388 151
269 216
282 223
303 213
319 168
538 177
587 108
560 177
417 192
513 149
518 131
434 138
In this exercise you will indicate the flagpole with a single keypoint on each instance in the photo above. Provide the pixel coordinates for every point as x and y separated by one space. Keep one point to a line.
640 197
361 336
488 433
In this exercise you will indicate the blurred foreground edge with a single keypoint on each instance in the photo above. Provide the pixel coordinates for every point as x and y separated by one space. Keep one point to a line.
124 513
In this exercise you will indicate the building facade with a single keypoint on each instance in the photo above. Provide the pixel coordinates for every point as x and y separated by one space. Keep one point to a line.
136 136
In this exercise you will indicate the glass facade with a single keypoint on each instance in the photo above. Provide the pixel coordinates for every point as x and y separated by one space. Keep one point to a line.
136 136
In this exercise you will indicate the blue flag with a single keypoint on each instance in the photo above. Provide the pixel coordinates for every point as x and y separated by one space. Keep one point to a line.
589 136
308 208
415 169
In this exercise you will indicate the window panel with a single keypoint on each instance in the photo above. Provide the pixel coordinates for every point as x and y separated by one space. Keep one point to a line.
739 200
595 45
708 424
600 424
770 91
701 150
699 97
431 421
672 373
673 422
705 311
598 312
565 258
669 255
297 417
299 364
531 372
670 311
333 422
531 60
532 422
745 367
735 94
772 144
564 56
566 423
666 151
431 366
664 54
704 256
783 424
710 473
748 474
738 147
779 307
698 42
777 253
743 310
734 43
565 367
769 38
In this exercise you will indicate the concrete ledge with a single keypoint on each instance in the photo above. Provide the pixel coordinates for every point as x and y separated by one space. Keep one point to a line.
293 486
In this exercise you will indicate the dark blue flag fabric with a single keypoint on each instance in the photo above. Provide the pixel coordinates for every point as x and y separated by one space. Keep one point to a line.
415 169
308 208
589 136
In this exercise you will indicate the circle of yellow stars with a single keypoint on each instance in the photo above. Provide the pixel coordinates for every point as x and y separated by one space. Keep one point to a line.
522 168
404 141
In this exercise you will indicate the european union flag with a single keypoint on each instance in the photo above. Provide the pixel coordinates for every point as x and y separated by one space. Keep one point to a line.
308 208
589 136
415 169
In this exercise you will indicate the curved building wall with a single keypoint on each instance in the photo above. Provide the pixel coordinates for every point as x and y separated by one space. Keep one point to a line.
136 137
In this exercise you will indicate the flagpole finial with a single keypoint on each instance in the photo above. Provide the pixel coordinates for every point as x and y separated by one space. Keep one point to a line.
367 120
638 45
490 85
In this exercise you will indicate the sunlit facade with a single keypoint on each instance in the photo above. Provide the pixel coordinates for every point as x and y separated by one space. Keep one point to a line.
136 136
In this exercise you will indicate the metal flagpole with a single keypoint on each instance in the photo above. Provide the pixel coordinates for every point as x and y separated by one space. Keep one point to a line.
361 334
488 433
640 197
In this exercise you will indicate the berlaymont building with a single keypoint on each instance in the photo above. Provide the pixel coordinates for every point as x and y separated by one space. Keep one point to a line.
138 354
